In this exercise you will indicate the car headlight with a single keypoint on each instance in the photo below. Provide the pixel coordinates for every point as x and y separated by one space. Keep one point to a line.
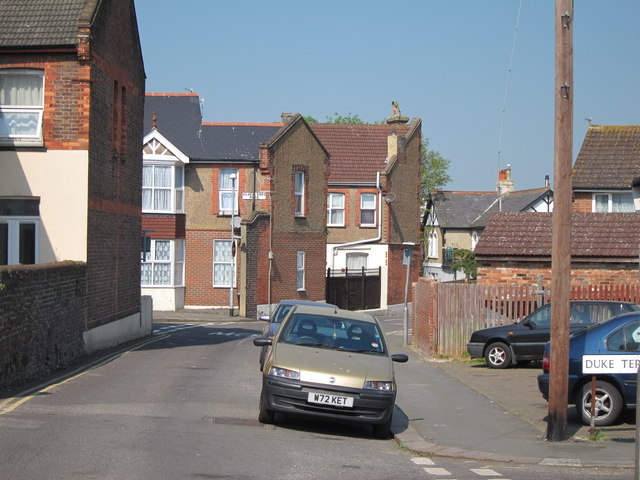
285 373
375 385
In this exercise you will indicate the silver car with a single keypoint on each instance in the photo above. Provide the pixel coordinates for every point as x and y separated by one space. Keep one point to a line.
331 364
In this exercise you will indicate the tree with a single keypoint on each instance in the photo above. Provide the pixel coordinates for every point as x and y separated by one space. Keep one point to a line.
465 260
309 119
433 171
349 118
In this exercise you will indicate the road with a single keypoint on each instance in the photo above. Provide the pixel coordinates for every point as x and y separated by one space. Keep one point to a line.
184 406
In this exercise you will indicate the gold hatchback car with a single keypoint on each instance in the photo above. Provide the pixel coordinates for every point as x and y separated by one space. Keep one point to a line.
329 364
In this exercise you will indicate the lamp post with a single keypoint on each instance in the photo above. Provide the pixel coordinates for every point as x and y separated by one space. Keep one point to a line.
406 259
233 258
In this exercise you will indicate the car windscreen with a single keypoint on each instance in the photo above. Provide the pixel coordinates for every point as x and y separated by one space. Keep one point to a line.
332 332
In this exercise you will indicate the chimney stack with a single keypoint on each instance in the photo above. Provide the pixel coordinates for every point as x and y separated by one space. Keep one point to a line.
505 184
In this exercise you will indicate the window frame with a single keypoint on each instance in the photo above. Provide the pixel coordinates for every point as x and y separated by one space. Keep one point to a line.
432 246
231 263
176 189
374 209
175 265
300 271
610 203
226 191
18 140
331 209
299 188
13 241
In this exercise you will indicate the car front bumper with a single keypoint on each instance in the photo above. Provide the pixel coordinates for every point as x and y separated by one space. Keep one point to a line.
475 349
290 396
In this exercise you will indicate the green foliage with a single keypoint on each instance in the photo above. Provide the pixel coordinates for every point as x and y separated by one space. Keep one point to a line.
465 260
433 171
349 118
309 119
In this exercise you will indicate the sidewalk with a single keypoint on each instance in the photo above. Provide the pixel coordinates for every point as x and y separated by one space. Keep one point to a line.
470 411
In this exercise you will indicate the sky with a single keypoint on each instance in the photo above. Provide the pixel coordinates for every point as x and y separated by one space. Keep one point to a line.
479 73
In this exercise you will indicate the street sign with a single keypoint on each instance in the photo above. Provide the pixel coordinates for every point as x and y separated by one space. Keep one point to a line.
593 364
256 195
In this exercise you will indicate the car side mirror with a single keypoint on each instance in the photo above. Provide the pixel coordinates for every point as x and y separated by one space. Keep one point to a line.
397 357
262 341
264 318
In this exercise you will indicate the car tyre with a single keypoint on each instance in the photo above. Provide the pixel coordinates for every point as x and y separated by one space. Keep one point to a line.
498 355
608 404
265 415
382 431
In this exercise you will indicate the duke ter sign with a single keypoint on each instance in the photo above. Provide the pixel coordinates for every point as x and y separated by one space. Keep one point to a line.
610 363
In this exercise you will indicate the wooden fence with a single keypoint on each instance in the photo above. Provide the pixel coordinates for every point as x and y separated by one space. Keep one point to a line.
456 310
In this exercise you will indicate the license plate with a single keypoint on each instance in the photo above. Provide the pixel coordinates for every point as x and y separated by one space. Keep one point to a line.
332 400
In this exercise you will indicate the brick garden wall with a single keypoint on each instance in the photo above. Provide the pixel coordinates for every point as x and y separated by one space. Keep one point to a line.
43 314
581 274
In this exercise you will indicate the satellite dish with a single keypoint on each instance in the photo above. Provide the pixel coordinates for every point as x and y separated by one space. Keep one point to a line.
390 197
236 222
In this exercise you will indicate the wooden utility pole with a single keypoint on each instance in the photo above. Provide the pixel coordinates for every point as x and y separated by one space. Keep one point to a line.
561 234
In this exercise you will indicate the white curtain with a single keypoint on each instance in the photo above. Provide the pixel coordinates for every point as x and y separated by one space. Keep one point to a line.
21 90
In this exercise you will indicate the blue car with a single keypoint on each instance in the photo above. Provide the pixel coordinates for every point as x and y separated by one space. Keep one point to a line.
617 344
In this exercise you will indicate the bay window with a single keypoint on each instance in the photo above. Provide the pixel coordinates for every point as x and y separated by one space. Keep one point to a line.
162 189
163 263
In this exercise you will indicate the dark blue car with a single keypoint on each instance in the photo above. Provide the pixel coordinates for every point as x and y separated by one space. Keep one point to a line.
617 344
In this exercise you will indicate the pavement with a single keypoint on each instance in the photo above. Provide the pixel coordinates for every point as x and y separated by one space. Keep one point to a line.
466 410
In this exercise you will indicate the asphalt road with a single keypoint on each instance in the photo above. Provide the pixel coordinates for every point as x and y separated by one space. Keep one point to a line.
184 406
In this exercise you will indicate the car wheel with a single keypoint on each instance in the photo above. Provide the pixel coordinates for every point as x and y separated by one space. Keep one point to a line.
608 404
498 355
265 415
383 430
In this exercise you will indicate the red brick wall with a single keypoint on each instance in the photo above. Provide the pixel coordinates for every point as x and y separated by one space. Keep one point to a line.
581 274
424 334
398 273
199 269
115 164
284 271
582 202
164 226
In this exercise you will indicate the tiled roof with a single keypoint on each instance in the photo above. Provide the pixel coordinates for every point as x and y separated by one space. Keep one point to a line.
178 118
516 201
519 234
358 151
474 209
609 158
42 23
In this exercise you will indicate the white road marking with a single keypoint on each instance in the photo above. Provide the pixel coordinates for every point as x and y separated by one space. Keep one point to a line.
422 461
437 471
485 472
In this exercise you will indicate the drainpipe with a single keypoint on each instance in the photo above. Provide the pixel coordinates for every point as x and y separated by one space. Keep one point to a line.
342 246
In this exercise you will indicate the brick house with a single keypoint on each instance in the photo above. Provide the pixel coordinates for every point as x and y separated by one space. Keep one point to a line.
515 248
71 106
607 163
373 205
604 243
456 220
216 172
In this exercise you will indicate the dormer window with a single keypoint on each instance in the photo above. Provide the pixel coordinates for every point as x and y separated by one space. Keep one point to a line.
21 107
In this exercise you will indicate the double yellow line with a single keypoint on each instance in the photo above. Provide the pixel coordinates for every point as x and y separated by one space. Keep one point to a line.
10 404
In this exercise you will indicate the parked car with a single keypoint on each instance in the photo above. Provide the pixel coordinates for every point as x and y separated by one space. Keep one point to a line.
278 315
523 341
618 339
332 365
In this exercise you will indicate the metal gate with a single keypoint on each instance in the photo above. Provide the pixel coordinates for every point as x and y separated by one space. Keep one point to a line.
354 289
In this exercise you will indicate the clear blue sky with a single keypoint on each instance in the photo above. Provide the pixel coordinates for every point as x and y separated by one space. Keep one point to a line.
444 61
